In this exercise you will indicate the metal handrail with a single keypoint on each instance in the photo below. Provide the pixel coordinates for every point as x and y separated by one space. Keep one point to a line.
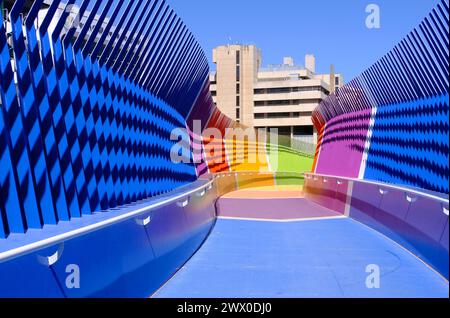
57 239
382 184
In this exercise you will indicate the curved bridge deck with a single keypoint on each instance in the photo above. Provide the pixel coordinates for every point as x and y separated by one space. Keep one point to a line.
321 257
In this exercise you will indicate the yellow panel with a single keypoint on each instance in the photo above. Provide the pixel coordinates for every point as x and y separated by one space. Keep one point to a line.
251 180
244 155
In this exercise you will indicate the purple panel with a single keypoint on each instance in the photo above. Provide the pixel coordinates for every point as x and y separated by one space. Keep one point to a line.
365 199
394 203
200 211
198 155
167 230
444 239
419 231
200 114
200 215
427 215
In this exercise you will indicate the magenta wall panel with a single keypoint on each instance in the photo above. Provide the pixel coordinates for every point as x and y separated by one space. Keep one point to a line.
343 144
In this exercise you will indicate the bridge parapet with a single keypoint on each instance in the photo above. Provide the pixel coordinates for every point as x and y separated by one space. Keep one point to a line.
415 219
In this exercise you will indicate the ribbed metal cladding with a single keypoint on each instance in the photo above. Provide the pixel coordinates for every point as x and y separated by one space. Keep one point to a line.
90 93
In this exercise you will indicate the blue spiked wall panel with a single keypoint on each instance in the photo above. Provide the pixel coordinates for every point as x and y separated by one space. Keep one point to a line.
90 93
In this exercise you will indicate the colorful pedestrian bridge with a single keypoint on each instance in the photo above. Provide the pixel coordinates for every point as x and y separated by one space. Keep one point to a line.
119 176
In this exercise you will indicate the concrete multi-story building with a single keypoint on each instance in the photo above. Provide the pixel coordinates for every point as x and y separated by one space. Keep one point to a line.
278 96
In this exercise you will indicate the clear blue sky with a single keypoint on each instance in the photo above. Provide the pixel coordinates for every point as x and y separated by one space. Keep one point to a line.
333 30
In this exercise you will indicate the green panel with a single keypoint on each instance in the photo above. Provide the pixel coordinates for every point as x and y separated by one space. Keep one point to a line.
285 159
289 180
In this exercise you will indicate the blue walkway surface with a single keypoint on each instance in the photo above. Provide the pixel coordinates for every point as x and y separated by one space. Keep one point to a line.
324 258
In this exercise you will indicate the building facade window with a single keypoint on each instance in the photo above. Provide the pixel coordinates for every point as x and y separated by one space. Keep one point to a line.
284 90
278 102
303 130
281 115
278 115
238 57
286 102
